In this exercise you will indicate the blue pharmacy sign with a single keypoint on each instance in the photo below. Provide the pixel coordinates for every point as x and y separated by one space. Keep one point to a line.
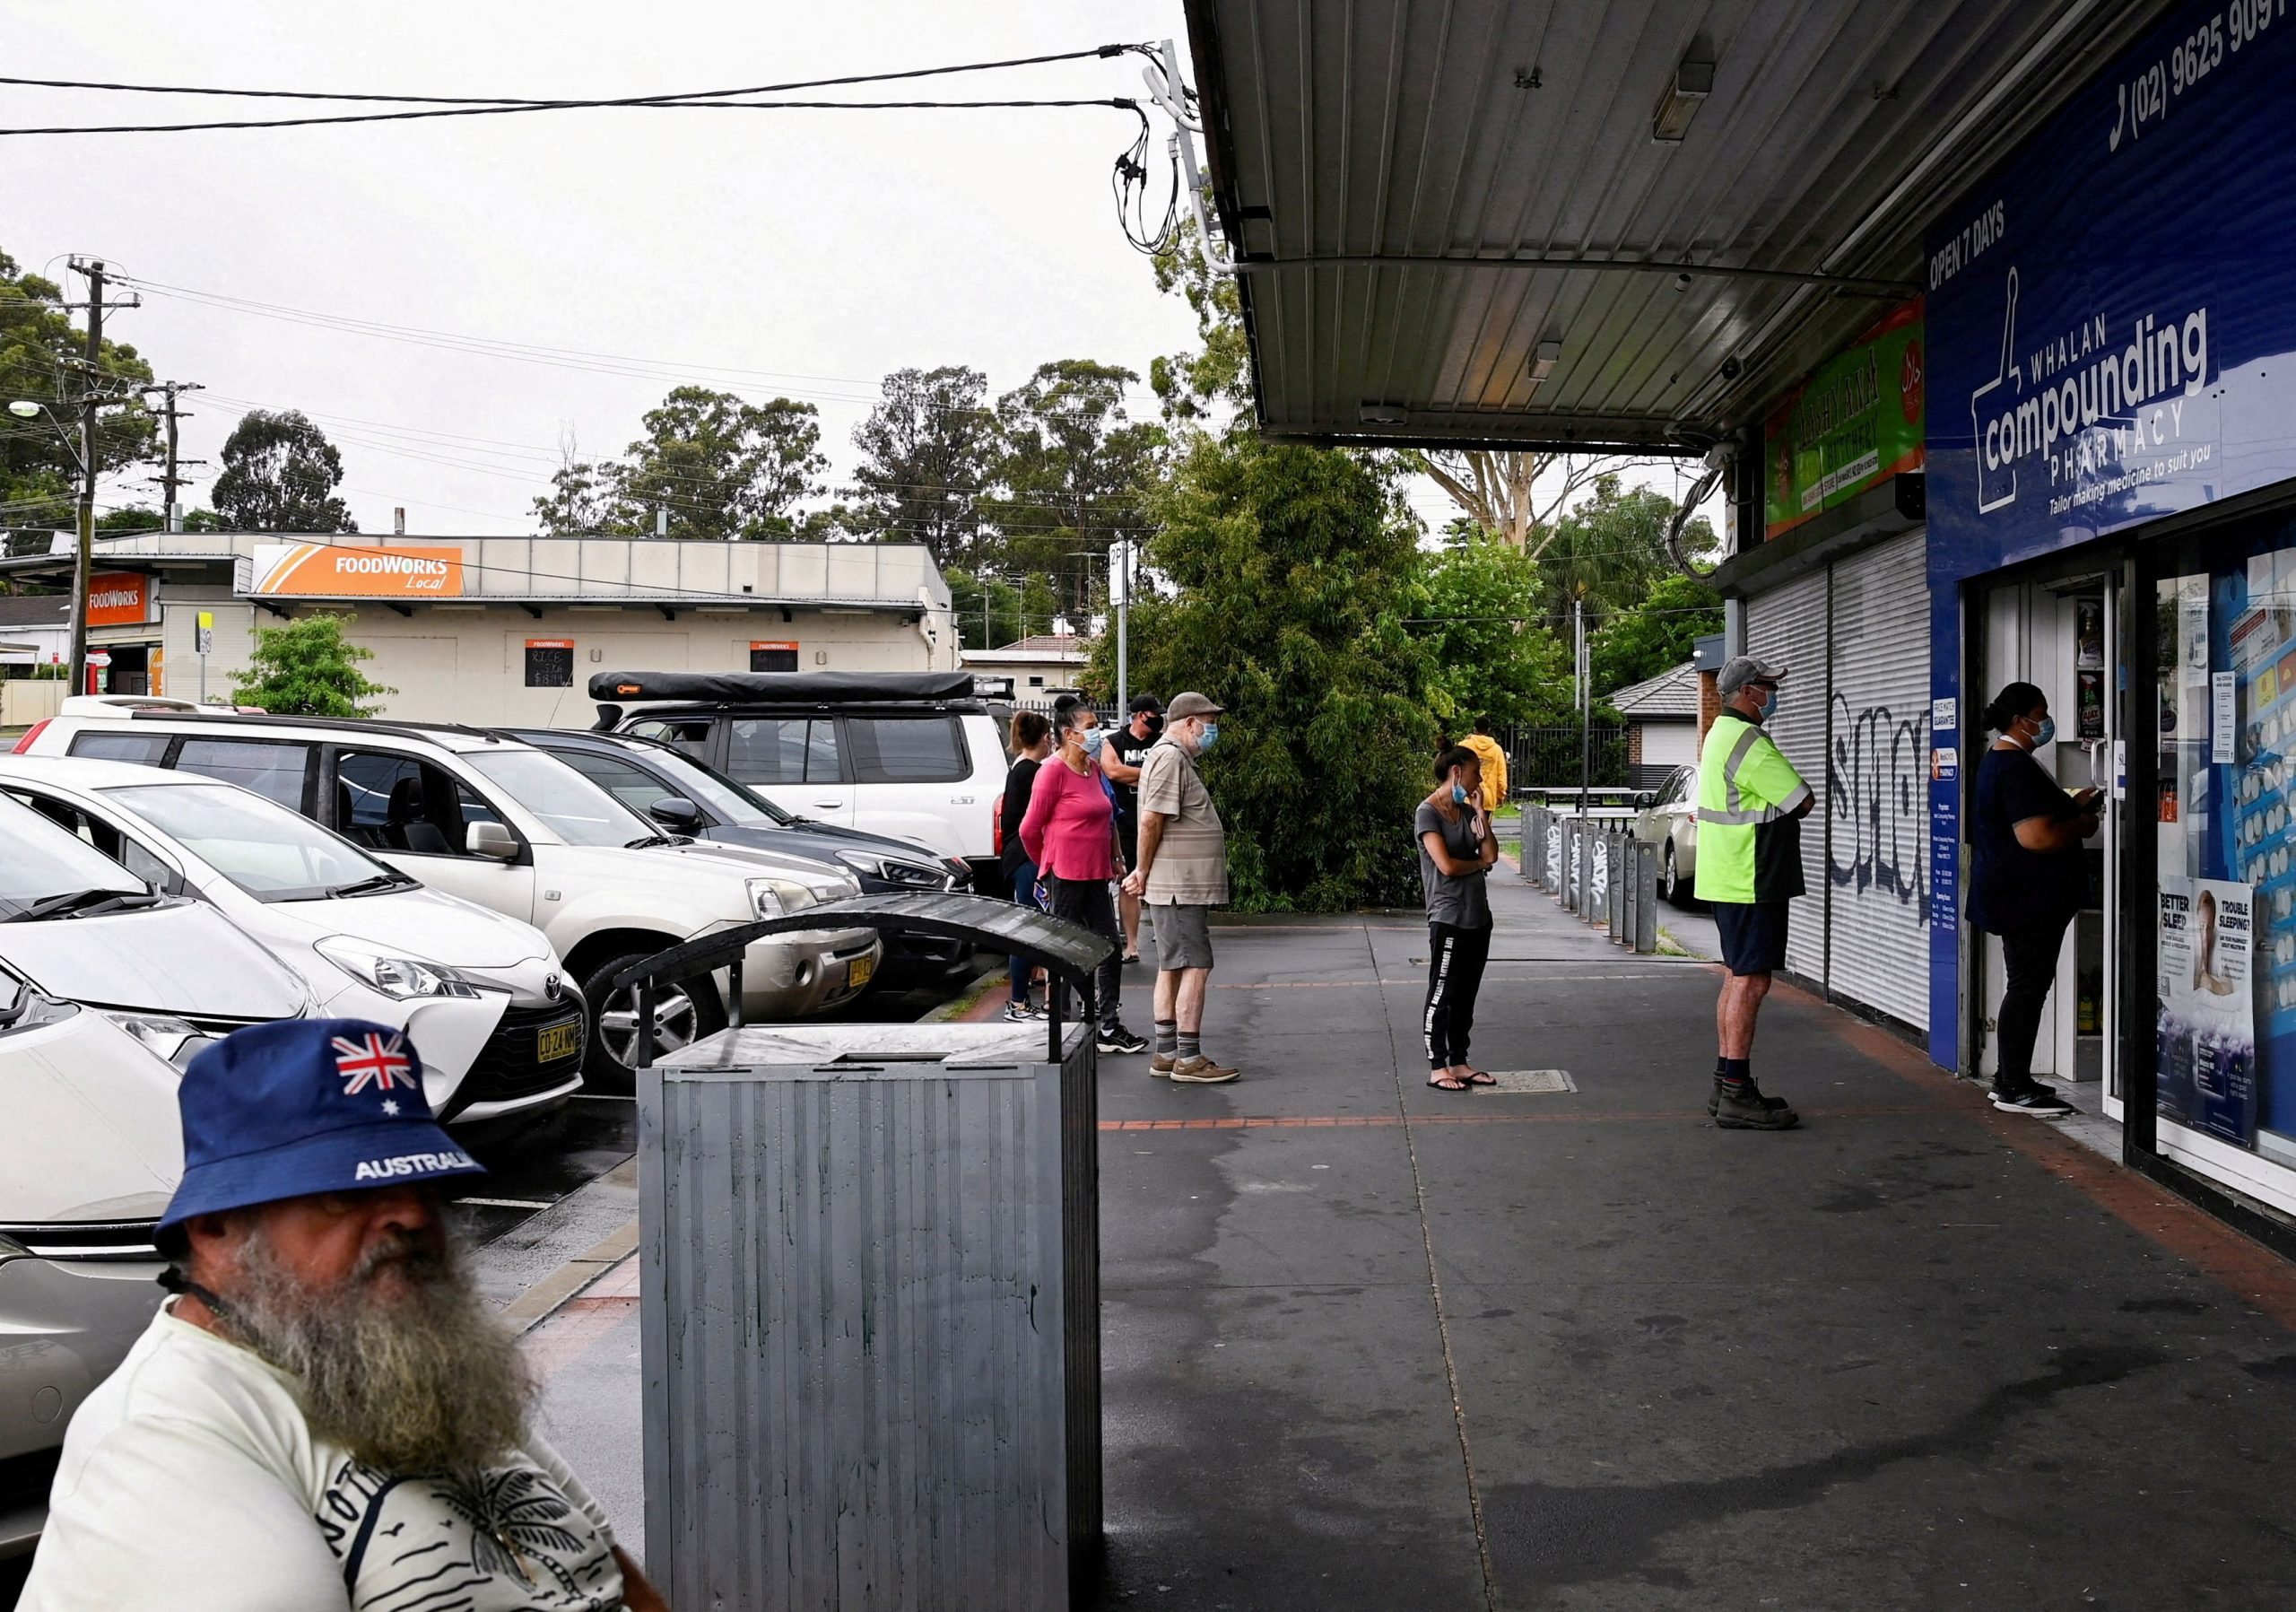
2113 338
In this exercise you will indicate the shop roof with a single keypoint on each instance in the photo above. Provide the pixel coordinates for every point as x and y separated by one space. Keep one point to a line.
1422 197
667 573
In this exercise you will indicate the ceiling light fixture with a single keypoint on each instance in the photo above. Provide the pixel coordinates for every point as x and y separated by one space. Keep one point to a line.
1383 414
1693 81
1544 357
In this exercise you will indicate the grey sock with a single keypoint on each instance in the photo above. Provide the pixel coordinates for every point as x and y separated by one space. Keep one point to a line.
1190 1044
1167 1035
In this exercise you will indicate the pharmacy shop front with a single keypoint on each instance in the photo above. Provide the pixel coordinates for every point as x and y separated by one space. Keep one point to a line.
2112 516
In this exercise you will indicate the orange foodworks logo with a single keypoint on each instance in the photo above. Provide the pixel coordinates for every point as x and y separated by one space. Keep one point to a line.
117 599
336 570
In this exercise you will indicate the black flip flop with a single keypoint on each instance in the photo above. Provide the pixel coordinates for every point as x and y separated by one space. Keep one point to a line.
1449 1083
1482 1077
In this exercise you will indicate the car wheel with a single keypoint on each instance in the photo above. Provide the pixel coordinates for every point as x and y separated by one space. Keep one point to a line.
684 1011
1670 881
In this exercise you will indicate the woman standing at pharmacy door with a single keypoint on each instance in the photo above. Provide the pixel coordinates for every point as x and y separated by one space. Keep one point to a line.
2028 881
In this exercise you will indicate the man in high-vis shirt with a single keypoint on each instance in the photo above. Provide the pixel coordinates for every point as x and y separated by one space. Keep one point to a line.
1751 802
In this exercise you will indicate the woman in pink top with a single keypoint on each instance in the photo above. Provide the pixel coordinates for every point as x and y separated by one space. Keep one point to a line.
1069 832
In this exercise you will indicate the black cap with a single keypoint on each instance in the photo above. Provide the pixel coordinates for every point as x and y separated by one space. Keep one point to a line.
1147 703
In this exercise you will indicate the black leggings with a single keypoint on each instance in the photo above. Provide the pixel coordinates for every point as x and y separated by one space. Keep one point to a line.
2029 958
1454 963
1087 901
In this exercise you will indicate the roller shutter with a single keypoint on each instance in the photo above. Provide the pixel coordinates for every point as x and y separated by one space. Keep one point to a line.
1875 844
1789 624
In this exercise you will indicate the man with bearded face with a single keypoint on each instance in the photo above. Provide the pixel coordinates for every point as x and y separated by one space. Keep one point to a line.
328 1415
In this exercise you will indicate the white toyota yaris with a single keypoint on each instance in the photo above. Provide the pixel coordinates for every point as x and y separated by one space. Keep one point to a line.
481 994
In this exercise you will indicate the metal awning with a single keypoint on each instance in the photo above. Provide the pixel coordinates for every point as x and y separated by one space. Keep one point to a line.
1433 201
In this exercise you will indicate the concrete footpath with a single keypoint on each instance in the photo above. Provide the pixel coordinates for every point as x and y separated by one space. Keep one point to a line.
1371 1345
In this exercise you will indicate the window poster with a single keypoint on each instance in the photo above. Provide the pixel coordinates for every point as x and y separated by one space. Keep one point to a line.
2208 1007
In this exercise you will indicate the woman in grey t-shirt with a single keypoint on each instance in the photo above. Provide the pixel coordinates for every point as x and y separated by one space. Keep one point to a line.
1456 848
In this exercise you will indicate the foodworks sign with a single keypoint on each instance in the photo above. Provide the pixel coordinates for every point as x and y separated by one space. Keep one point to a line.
118 598
2112 316
328 571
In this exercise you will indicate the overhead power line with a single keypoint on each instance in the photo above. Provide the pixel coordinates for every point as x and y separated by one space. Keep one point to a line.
1117 103
428 106
519 100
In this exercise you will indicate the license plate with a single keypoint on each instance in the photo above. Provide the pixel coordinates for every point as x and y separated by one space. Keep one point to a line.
554 1042
859 972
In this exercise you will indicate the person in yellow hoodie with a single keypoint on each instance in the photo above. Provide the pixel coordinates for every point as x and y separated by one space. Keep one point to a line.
1493 757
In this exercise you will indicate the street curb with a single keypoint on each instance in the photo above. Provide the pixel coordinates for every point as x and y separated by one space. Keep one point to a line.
967 1008
538 1303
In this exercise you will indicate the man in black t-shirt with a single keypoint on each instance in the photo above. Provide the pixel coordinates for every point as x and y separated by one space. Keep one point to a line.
1120 759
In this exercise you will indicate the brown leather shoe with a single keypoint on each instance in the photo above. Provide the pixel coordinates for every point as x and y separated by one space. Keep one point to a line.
1200 1071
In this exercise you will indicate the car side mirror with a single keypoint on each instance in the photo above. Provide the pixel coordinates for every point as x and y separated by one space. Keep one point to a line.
1645 800
490 839
676 814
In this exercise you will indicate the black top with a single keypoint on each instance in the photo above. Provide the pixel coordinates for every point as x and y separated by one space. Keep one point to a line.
2011 887
1020 783
1131 752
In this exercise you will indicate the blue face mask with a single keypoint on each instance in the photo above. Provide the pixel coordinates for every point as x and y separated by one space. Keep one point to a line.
1210 737
1458 793
2045 732
1769 702
1092 741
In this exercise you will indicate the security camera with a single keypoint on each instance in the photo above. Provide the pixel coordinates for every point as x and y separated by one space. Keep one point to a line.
1718 456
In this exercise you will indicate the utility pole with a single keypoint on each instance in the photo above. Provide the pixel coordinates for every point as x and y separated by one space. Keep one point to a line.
1578 670
171 511
83 566
1168 93
1121 595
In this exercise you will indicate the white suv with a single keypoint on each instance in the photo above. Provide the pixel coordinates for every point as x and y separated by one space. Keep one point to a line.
913 754
516 830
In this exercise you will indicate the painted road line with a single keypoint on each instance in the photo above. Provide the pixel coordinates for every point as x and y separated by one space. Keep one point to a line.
508 1203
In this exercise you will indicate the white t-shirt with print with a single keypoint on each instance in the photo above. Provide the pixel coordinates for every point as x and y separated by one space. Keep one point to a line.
190 1481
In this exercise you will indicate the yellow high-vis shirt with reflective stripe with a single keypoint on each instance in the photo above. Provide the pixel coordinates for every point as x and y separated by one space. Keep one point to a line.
1745 781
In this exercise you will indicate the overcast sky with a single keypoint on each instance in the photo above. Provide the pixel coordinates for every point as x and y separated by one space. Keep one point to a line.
795 253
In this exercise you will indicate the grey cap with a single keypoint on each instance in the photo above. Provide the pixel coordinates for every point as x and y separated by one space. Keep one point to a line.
1740 670
1190 705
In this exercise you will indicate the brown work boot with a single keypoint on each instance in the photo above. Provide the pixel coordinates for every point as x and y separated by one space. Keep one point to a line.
1199 1071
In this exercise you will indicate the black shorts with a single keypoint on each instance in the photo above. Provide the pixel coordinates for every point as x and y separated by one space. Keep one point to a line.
1127 833
1753 936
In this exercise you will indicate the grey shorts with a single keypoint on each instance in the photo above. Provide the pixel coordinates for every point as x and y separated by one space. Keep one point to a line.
1183 936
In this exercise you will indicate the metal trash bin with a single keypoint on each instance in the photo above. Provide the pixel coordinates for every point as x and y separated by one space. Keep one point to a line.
869 1298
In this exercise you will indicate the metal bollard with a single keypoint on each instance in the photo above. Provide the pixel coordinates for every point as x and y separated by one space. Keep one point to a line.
1619 915
1646 900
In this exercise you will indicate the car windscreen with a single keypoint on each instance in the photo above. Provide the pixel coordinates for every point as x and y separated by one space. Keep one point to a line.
40 860
570 804
272 853
711 789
